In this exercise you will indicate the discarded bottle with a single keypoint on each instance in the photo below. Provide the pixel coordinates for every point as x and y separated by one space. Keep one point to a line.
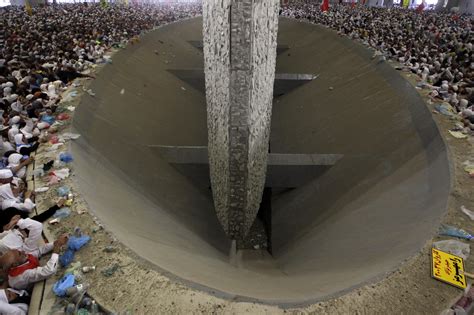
74 266
86 302
70 308
94 308
87 269
76 289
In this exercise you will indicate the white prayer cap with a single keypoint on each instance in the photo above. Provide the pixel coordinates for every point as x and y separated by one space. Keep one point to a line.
15 119
12 98
5 173
463 102
468 113
29 97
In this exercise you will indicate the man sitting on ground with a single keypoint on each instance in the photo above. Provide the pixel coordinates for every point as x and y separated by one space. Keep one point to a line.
24 270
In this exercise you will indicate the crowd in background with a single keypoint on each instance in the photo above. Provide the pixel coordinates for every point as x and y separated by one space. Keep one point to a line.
43 52
40 54
437 46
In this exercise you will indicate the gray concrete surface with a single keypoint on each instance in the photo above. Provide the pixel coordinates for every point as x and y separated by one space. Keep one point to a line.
352 225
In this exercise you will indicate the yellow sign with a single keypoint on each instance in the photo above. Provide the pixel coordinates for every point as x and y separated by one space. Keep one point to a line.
406 3
448 268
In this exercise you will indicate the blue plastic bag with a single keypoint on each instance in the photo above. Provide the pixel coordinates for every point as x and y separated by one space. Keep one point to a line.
48 119
66 157
63 191
455 232
66 258
63 284
76 242
62 213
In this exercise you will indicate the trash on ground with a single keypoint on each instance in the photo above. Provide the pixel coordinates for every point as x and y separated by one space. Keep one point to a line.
62 213
468 212
457 134
448 230
48 166
66 258
63 284
110 271
38 172
74 267
55 146
41 189
54 140
469 167
122 91
63 191
90 92
62 173
63 116
110 249
444 109
87 269
54 221
77 242
454 247
66 157
70 136
48 119
53 180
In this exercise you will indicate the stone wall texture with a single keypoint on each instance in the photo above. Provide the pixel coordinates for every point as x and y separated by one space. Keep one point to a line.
240 39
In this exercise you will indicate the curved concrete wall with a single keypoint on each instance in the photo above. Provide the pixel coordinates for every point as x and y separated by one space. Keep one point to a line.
354 223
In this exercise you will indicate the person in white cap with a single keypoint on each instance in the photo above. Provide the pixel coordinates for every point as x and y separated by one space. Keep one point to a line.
24 235
6 176
5 146
13 130
23 147
24 269
10 197
18 165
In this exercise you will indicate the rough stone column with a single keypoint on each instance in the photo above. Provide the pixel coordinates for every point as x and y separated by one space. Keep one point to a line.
240 56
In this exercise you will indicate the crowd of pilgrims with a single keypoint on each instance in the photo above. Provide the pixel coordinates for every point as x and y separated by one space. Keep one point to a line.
42 53
436 46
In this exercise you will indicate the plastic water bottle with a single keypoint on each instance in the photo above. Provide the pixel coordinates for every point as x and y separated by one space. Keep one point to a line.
87 269
94 308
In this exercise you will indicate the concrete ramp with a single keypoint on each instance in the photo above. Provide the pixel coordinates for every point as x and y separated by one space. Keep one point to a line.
351 225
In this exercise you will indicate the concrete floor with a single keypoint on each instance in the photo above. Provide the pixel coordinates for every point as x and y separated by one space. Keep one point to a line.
353 224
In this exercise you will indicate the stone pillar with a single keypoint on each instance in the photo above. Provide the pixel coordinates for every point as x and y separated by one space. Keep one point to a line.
240 39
